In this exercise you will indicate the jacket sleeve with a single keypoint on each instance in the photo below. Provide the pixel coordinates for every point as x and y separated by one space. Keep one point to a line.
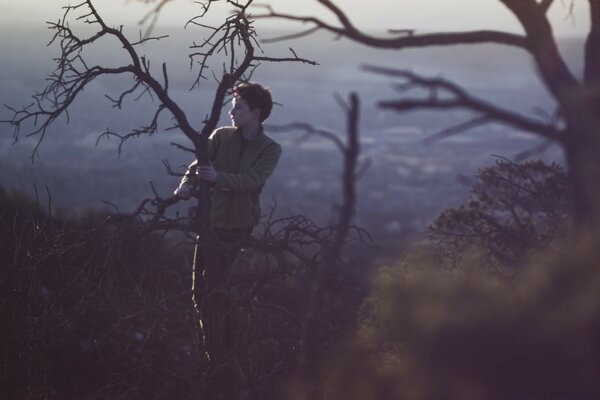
189 178
255 177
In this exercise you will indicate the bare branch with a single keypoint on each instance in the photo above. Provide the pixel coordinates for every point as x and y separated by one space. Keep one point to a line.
457 129
144 39
288 59
73 75
310 347
545 5
544 49
285 38
154 13
458 98
149 129
118 103
310 130
592 52
538 41
407 40
535 150
181 147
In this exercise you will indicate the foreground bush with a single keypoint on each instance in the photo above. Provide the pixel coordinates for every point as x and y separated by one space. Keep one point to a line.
470 333
513 210
92 308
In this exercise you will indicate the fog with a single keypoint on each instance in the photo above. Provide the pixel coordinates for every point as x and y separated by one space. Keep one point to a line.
406 183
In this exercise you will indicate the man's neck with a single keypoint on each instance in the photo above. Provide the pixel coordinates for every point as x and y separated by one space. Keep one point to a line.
250 132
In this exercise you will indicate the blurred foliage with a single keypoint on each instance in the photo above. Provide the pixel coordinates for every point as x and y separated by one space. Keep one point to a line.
470 333
513 208
99 307
92 308
456 318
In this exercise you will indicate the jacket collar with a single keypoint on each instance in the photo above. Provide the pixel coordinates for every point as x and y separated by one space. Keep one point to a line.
259 135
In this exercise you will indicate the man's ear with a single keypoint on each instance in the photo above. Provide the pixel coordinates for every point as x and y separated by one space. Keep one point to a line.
256 111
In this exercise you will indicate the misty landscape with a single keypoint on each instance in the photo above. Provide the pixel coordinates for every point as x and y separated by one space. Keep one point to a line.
406 180
433 236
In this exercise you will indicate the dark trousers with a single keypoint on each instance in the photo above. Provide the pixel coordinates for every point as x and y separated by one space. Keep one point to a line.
214 302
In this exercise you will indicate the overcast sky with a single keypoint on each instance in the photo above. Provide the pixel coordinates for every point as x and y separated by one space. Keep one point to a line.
425 15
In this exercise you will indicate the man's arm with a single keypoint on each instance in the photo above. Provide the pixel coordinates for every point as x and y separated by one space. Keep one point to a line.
253 179
188 182
190 179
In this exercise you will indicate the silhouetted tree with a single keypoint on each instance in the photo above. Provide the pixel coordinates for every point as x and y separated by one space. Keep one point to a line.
575 125
277 332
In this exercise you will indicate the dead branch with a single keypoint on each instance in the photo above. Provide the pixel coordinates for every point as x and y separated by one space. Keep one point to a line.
544 49
310 247
457 129
310 343
309 131
407 37
545 5
73 74
538 41
457 97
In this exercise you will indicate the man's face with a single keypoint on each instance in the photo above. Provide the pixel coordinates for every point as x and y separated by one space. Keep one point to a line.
242 115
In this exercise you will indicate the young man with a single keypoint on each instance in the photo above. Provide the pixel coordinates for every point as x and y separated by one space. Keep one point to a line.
242 158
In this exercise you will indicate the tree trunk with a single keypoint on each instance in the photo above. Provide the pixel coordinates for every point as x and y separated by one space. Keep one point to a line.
582 151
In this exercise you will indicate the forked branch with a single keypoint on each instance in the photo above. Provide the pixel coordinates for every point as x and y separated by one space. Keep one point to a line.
405 38
444 95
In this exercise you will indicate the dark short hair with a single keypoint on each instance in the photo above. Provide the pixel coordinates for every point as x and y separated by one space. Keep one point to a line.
256 96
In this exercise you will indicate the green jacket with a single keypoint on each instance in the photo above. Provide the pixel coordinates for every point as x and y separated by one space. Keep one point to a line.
242 169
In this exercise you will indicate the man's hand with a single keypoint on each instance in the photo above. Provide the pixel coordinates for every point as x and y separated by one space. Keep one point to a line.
206 172
185 192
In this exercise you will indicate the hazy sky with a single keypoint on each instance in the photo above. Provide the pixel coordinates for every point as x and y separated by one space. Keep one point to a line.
426 15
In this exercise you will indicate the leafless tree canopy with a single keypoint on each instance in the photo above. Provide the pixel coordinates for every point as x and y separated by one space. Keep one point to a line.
292 253
288 282
574 125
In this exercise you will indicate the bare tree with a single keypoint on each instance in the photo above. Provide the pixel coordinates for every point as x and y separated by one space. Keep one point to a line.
288 290
576 124
234 36
290 248
329 265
